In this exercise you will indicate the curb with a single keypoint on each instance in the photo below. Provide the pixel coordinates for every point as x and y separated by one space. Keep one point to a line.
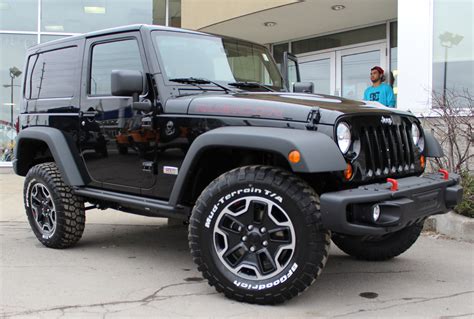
6 170
451 225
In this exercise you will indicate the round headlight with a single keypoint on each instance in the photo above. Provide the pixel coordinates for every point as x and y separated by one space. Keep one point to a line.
343 133
416 136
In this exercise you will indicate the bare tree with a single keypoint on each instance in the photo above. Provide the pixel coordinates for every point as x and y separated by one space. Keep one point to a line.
453 128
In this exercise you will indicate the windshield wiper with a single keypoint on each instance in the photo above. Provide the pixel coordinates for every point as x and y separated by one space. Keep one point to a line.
251 85
197 81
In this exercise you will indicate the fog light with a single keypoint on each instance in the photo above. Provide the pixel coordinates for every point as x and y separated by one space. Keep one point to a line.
375 212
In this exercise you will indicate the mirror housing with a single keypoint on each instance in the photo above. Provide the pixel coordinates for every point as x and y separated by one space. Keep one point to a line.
127 83
303 87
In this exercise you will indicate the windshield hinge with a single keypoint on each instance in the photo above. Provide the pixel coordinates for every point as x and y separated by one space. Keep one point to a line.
313 119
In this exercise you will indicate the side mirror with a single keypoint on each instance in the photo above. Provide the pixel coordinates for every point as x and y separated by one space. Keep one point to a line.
303 87
127 83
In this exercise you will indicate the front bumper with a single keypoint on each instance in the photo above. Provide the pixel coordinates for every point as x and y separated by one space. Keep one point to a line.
351 211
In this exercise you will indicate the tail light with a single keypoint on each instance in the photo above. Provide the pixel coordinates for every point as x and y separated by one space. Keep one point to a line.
17 125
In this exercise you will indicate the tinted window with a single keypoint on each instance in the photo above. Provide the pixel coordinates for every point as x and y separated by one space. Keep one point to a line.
120 55
54 73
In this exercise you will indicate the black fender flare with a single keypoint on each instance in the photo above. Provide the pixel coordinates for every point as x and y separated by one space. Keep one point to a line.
432 146
63 150
319 153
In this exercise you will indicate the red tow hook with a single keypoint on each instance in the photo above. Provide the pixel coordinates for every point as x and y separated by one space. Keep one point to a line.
394 183
445 173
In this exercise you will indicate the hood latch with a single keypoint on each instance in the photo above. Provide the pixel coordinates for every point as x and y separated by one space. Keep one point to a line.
313 118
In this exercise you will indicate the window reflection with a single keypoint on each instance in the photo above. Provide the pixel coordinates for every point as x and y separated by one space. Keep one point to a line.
84 16
453 57
121 55
13 48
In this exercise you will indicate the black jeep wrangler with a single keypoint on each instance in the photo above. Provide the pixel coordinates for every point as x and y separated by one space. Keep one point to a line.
195 127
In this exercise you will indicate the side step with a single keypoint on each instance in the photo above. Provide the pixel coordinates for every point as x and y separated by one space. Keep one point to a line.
136 204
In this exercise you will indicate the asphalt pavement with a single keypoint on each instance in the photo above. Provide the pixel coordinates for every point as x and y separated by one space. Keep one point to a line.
128 266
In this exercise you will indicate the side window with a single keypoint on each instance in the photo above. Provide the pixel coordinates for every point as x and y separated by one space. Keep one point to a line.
120 55
31 63
53 74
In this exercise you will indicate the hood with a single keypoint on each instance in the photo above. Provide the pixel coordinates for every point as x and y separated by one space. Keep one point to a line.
278 106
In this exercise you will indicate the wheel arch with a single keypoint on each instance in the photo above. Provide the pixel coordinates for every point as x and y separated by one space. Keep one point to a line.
319 153
36 145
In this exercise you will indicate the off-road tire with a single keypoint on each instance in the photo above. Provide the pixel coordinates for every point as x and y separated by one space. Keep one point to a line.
301 205
70 213
384 248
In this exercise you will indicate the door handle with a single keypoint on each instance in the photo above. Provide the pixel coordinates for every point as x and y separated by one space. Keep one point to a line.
89 113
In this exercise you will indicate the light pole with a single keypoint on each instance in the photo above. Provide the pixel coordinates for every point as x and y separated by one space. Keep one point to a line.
14 73
448 40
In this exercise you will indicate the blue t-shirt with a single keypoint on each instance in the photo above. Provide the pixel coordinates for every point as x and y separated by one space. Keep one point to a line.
382 94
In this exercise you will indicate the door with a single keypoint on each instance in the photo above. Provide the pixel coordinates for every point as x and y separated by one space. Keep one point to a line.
320 69
342 72
117 143
353 69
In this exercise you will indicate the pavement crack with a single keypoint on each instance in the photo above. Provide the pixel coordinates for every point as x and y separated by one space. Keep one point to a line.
142 301
404 303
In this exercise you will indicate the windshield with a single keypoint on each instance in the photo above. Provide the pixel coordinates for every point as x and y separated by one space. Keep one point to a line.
186 55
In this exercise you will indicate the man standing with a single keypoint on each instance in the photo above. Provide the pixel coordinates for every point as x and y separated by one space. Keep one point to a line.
379 91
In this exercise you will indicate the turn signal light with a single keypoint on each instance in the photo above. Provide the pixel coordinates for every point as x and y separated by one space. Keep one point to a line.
348 172
294 157
422 161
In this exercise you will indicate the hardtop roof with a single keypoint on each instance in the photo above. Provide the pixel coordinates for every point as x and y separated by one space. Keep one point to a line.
127 28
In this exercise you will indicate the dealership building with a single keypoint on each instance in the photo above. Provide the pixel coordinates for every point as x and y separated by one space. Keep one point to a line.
424 45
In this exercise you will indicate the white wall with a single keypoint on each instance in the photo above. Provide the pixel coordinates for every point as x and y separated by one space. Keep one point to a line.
415 54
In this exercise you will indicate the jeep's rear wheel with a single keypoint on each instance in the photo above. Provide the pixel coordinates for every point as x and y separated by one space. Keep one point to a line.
256 235
378 249
56 215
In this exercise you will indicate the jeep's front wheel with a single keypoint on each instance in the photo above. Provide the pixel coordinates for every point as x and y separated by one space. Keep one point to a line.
378 249
256 235
56 215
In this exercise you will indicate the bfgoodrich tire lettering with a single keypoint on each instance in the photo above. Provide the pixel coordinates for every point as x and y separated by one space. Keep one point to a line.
300 233
56 215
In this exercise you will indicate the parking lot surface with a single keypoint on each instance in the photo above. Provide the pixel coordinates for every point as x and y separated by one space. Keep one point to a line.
131 266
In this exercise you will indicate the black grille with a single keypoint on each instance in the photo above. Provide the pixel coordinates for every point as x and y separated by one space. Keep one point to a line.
385 149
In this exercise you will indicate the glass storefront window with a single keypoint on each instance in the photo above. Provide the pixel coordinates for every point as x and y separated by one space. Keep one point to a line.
377 32
85 16
453 46
12 61
278 50
318 72
19 15
175 13
46 37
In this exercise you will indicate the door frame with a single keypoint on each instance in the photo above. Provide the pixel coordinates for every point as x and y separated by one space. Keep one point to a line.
359 50
332 66
335 55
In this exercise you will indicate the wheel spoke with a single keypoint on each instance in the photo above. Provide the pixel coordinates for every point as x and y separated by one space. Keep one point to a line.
280 235
235 255
266 262
230 225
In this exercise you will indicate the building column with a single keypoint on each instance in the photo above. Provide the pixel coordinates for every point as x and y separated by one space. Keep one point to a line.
415 55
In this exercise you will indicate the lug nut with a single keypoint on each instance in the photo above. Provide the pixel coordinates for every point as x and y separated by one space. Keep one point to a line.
244 238
250 227
252 249
263 229
265 243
